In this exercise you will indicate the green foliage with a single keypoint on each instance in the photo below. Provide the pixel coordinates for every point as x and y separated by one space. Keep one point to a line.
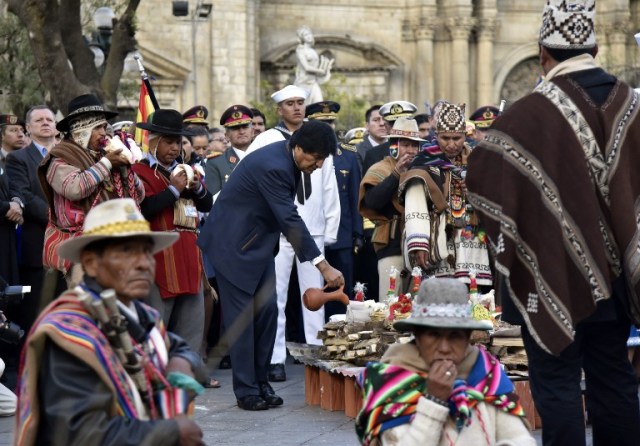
352 108
19 80
265 104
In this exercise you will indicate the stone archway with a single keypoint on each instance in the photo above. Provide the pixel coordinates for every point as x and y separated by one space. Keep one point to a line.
521 80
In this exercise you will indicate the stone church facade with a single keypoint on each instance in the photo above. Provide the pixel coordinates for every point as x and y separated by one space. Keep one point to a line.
472 51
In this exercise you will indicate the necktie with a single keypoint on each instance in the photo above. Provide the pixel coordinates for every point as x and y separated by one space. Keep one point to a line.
304 188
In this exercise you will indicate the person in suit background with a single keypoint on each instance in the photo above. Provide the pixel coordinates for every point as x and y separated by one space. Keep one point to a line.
22 166
241 237
376 132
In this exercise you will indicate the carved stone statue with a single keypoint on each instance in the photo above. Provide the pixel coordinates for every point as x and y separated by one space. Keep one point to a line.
312 70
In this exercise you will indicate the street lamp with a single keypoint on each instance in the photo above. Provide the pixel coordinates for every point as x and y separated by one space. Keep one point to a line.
100 43
201 11
101 40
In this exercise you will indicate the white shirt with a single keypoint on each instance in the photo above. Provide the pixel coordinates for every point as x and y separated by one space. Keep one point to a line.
321 212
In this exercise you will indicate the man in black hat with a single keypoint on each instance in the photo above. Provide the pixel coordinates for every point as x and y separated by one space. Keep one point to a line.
237 122
79 173
174 195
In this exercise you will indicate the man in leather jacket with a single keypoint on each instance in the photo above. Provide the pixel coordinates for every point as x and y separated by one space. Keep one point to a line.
80 384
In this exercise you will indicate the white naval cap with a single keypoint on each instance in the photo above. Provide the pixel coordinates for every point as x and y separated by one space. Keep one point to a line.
288 92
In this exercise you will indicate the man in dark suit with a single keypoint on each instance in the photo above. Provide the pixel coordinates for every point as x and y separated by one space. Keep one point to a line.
376 132
241 236
21 168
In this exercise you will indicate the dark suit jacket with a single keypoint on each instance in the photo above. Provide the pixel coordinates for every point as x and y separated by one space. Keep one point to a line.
255 206
217 170
348 176
374 155
22 166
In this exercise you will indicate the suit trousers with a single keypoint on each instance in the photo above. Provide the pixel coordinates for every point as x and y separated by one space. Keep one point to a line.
600 349
308 277
250 327
182 315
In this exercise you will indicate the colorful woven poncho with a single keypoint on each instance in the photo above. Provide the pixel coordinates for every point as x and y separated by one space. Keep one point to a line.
391 395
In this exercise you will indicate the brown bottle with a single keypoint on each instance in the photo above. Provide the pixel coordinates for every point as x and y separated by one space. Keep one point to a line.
314 298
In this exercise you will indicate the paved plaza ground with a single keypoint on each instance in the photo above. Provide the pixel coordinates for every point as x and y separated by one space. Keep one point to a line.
293 424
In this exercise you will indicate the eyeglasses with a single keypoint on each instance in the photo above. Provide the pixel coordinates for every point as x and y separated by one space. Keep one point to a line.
223 140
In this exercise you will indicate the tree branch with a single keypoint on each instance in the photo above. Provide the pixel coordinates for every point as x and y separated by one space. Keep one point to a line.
122 42
41 20
79 54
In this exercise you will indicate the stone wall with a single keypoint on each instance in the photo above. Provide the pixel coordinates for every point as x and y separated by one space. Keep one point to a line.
419 50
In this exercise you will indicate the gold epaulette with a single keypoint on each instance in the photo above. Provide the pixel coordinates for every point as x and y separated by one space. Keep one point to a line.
213 155
349 147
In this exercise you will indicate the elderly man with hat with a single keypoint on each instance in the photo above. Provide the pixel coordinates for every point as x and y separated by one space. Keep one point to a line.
318 203
378 198
443 235
79 173
174 194
237 122
390 112
556 182
439 389
347 171
99 366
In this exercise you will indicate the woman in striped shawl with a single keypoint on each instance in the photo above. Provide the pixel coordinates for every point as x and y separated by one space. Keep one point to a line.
438 389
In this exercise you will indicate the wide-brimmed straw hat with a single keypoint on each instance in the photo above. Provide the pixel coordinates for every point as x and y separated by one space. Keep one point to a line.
82 105
405 128
165 122
442 303
114 219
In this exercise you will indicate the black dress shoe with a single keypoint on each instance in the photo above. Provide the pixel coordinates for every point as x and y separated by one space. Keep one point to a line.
252 402
225 363
277 373
267 394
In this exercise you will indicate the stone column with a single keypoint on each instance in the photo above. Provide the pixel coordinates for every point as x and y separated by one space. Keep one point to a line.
424 80
459 28
617 37
484 60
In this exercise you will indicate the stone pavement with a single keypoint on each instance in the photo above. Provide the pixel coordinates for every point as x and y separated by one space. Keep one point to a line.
292 424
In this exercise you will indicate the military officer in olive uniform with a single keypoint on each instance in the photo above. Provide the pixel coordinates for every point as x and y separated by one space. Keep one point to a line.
237 120
347 170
